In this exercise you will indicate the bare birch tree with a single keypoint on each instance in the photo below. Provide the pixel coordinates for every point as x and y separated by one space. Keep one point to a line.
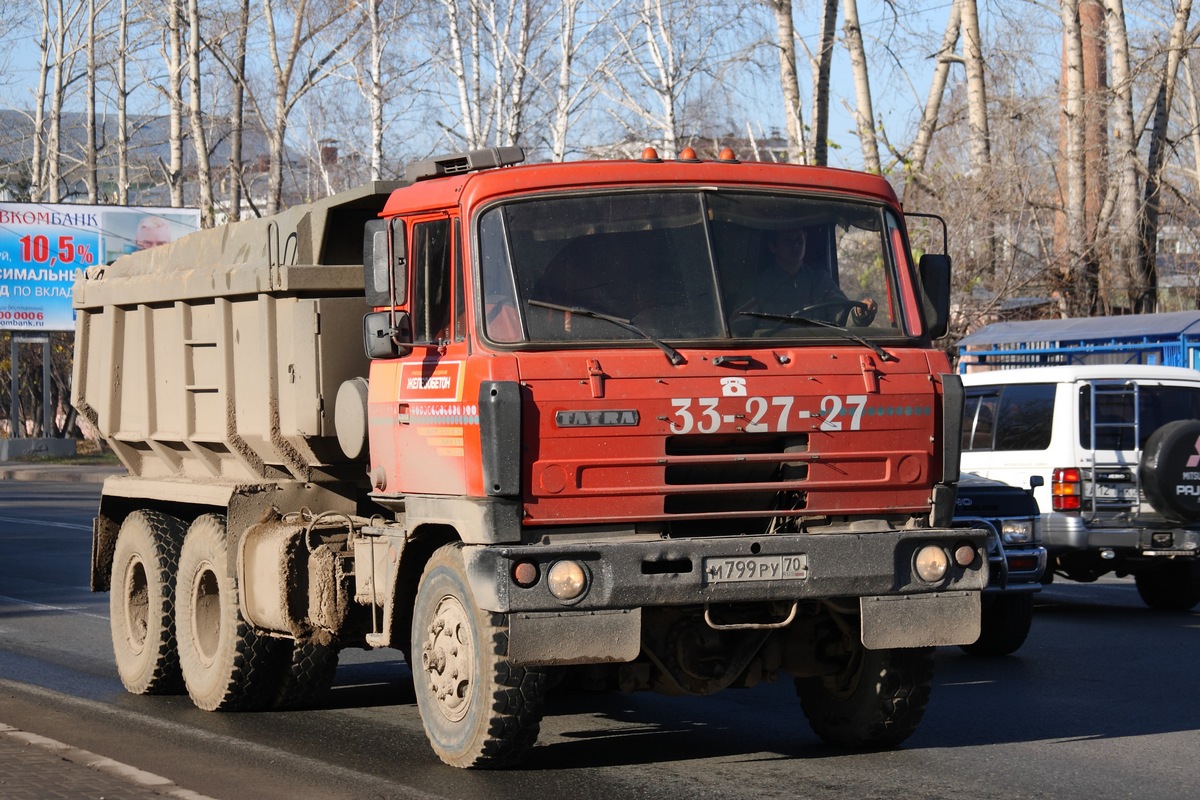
64 47
299 62
789 79
572 95
172 53
37 166
944 58
494 45
121 90
1143 288
196 116
91 170
864 110
665 51
822 66
1077 293
977 102
1120 213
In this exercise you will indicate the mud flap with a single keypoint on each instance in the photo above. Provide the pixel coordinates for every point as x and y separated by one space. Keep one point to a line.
587 637
920 620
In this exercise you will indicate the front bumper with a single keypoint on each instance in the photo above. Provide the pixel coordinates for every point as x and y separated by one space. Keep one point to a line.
680 572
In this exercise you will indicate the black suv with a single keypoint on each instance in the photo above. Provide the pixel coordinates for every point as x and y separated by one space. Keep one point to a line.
1016 558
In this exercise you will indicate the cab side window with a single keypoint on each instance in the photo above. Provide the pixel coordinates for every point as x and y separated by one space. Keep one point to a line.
431 289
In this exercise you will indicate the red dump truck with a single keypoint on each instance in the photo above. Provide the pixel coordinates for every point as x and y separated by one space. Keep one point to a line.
527 421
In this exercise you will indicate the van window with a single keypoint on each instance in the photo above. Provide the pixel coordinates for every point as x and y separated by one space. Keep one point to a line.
1016 417
1157 405
979 421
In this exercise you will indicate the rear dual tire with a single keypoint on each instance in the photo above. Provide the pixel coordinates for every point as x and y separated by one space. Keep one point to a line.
226 664
141 603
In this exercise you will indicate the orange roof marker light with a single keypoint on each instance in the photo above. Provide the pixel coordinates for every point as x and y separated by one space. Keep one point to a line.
688 154
650 154
727 155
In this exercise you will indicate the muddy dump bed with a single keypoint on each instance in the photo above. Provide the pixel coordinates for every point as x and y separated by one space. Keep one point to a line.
219 356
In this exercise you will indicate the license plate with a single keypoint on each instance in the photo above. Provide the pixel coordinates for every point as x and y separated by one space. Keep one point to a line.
1105 491
755 568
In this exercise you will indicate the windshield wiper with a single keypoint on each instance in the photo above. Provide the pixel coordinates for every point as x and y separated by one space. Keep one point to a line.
674 356
838 329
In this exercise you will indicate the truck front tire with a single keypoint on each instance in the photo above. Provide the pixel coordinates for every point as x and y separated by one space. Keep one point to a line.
226 665
874 702
478 709
141 603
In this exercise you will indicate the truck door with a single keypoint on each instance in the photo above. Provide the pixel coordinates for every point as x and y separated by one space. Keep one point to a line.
428 430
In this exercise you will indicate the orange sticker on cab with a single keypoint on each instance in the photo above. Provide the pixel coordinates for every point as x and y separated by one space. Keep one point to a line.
429 381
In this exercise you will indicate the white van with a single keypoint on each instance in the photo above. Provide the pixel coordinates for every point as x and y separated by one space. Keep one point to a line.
1118 451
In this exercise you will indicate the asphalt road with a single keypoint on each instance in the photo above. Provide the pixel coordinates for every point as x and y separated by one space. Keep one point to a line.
1100 703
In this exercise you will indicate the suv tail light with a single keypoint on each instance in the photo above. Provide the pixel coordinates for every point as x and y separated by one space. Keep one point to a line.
1065 489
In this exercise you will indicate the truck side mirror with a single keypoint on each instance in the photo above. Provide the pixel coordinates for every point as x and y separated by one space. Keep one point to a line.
935 283
385 273
382 338
1035 481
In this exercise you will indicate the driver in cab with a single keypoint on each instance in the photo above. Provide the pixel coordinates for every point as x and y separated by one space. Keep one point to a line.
790 286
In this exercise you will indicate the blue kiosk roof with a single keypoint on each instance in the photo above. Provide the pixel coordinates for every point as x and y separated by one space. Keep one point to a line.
1167 325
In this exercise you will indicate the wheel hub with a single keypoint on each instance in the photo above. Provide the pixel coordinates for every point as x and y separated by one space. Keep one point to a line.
137 605
448 658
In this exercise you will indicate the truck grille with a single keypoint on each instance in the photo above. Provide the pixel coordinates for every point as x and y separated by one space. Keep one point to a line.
739 473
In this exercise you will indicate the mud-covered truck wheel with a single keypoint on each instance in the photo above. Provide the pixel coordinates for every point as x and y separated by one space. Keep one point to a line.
226 665
1171 484
307 674
1004 625
1170 586
478 709
141 603
875 701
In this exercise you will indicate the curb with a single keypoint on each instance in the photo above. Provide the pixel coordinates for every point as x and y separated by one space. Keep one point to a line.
65 771
57 473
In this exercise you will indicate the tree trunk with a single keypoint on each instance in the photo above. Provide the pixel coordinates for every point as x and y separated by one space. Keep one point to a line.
933 105
91 170
821 70
789 79
237 115
37 164
561 122
199 137
864 112
122 92
375 76
174 61
977 116
1127 243
1144 287
1078 288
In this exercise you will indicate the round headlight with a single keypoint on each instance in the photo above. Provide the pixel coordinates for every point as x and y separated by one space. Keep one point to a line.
566 580
931 563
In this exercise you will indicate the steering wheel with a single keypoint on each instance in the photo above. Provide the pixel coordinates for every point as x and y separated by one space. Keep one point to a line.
843 306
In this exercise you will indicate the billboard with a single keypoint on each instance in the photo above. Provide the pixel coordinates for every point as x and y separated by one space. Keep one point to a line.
43 245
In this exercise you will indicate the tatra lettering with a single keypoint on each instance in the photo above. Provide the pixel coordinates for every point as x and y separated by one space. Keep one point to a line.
579 418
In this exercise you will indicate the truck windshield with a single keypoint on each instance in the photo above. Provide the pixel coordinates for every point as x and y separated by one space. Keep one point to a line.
689 265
